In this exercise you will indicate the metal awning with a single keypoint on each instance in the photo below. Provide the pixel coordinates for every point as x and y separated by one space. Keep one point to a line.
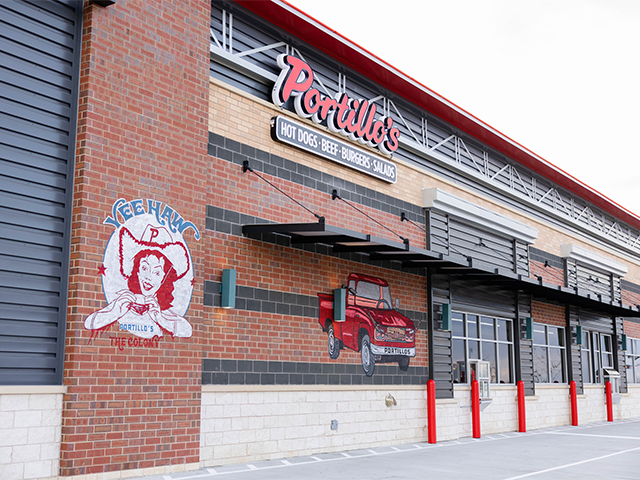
381 249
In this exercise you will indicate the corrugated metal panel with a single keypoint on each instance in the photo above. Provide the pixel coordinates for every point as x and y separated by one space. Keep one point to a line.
607 286
449 235
39 73
524 348
620 354
575 365
442 366
473 297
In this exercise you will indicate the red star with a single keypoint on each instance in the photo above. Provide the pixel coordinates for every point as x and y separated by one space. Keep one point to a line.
102 269
193 282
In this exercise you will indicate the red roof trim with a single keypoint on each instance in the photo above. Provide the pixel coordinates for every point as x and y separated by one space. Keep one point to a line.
337 46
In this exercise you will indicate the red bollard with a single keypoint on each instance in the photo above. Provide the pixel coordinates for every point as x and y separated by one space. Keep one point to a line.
607 388
475 408
431 410
522 415
574 403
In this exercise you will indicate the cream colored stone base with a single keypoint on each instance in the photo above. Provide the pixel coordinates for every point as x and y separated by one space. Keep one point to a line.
244 424
30 432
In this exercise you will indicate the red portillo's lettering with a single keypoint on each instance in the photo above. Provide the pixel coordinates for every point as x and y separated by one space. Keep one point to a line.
295 78
353 118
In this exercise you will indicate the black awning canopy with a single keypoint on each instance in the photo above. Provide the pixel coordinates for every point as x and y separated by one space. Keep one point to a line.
381 249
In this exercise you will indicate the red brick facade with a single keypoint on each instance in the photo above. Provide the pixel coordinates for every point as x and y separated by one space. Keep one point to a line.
142 133
548 313
549 274
632 329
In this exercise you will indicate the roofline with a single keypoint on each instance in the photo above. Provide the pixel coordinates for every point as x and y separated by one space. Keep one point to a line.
337 46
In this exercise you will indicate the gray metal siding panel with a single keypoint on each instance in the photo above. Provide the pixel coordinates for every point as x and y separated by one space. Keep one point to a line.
621 355
442 366
473 297
575 365
524 348
39 74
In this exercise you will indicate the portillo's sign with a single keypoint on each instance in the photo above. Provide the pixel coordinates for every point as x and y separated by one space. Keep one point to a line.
329 147
355 119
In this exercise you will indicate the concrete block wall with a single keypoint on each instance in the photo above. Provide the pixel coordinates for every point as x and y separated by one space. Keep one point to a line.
453 417
591 405
629 406
245 424
550 407
30 432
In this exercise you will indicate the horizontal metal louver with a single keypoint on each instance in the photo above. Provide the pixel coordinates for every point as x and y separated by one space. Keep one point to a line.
39 68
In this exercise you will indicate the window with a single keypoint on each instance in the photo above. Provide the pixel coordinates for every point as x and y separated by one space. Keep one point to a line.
370 294
596 353
482 338
633 360
548 354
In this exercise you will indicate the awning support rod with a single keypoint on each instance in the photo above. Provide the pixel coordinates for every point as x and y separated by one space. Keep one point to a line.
335 195
246 167
403 218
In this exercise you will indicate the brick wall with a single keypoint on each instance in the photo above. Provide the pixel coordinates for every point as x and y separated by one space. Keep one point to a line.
250 335
548 313
632 329
549 274
142 133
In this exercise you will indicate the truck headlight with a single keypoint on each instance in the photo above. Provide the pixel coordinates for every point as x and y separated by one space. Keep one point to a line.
379 333
409 334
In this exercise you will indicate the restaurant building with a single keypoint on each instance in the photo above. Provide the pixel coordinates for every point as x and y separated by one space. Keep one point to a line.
229 234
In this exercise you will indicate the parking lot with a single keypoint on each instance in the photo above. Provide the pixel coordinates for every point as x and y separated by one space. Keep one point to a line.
594 451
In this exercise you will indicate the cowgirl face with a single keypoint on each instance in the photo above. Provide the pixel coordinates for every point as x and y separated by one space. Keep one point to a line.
151 274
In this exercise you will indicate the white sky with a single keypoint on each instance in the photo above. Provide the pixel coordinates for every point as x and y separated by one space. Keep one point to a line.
561 77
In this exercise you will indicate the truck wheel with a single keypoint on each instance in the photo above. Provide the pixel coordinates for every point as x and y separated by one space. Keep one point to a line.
403 363
368 361
333 343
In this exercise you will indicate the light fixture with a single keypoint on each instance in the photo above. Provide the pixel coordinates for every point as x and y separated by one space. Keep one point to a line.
339 304
528 328
390 401
228 288
446 317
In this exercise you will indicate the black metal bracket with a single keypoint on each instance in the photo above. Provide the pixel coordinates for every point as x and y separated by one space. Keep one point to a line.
103 3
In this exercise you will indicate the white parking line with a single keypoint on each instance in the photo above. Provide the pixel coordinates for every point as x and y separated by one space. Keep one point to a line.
593 435
539 472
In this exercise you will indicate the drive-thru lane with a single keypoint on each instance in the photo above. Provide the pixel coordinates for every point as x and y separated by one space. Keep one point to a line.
594 451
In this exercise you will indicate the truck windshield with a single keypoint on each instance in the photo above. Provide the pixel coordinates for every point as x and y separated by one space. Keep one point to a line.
372 295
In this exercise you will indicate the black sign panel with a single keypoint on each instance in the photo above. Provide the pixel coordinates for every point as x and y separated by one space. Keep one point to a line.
326 146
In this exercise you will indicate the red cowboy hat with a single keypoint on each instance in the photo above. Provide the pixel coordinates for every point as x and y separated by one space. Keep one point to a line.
153 238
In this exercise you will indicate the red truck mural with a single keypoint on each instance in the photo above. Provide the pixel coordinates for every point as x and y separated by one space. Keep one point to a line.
371 326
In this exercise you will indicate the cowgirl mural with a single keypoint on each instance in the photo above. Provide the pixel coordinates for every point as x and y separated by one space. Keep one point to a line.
147 277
